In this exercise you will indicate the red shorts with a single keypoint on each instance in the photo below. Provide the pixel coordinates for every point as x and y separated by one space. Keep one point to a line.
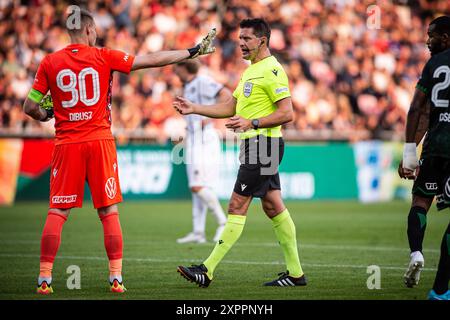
91 161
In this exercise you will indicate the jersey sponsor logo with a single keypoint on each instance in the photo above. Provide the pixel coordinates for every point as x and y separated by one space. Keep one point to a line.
55 171
80 116
64 199
248 86
243 186
111 188
275 72
444 117
125 58
431 186
280 90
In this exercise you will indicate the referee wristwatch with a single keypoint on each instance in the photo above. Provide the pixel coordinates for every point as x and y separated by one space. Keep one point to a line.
255 124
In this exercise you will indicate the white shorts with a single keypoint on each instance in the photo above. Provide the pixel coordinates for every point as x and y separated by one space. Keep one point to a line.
203 154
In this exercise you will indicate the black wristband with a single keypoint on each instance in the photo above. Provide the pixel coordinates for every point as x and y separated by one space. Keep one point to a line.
193 51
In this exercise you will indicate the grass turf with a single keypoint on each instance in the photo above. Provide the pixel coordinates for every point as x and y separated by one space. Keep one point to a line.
337 242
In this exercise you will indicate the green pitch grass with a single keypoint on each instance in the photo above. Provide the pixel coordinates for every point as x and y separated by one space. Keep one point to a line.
337 242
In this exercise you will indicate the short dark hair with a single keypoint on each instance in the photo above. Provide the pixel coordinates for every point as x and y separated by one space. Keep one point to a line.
260 27
85 18
442 24
191 65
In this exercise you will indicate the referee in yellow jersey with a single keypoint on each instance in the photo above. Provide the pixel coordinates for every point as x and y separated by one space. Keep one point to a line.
261 103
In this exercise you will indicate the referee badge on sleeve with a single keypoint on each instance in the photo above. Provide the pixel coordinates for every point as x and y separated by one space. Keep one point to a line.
248 86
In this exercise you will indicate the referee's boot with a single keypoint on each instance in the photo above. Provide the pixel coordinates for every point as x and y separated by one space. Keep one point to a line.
285 280
196 274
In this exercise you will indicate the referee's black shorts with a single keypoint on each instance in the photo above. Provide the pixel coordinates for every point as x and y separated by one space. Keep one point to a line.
258 173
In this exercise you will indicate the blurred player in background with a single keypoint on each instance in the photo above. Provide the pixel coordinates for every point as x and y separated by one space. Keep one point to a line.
79 78
433 89
261 103
202 150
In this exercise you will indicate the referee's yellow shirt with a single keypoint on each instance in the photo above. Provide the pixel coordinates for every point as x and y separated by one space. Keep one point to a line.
261 86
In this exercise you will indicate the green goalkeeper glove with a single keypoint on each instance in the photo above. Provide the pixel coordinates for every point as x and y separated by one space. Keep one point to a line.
204 47
47 104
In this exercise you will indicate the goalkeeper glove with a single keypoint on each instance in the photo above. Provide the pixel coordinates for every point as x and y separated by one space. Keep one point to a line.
409 156
47 105
204 47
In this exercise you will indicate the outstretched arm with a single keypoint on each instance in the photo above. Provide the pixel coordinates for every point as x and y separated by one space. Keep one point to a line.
164 58
223 96
220 110
159 59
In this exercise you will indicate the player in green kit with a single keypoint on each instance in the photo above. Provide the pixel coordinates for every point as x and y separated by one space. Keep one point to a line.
433 89
261 103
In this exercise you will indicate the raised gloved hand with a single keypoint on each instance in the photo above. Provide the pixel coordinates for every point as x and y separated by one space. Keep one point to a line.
204 47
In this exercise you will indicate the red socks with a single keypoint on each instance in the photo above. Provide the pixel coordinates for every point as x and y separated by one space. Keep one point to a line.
51 238
113 241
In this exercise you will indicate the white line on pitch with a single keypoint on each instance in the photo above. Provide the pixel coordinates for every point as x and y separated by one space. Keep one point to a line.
301 245
12 255
335 247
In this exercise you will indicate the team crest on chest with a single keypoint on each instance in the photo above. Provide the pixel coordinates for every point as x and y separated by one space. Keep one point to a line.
248 86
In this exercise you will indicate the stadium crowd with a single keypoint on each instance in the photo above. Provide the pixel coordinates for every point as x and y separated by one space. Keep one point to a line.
349 78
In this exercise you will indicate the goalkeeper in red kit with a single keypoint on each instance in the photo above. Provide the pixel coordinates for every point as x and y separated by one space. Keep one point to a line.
79 78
